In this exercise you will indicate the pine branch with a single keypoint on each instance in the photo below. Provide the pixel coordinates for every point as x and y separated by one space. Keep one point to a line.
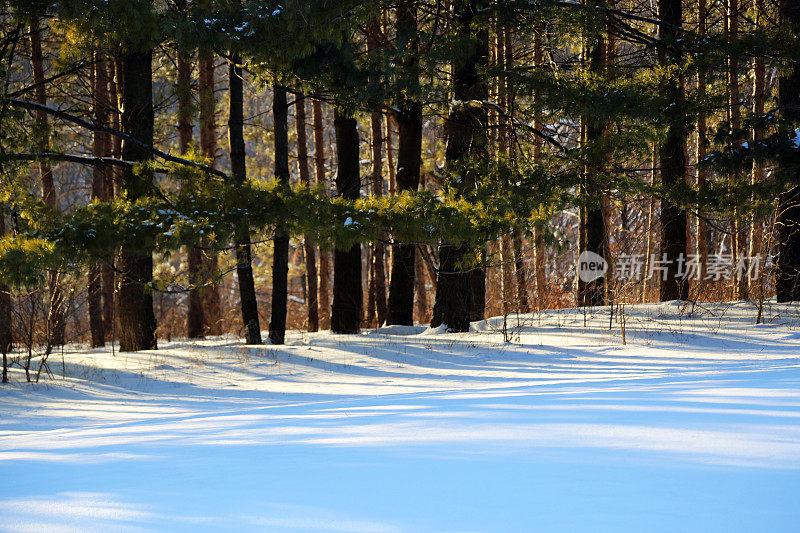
32 106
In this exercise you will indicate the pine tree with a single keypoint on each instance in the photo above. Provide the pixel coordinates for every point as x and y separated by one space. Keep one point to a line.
593 228
212 308
312 297
56 323
100 183
787 222
137 322
460 291
672 153
409 160
244 262
6 339
347 289
324 251
280 254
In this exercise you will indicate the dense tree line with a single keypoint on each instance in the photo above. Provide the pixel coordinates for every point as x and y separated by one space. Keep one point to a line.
465 152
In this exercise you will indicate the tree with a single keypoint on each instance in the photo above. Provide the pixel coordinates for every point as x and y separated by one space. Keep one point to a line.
5 310
324 251
195 316
207 259
137 322
56 301
280 254
308 248
244 266
347 290
460 288
409 159
101 182
787 221
593 222
377 305
672 153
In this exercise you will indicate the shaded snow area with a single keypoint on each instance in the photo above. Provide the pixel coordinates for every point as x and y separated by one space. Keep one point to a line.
693 425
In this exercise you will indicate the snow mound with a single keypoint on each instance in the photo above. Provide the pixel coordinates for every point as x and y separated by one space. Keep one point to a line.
398 330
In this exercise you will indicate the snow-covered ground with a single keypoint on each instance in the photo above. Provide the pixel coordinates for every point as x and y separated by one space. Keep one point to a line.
693 425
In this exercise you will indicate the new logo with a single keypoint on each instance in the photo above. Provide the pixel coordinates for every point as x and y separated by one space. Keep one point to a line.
591 266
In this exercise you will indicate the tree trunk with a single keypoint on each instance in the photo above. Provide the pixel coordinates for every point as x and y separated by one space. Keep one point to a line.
308 249
324 251
280 254
101 147
702 131
244 265
757 173
137 322
347 289
593 222
195 316
650 226
56 325
409 162
461 294
115 150
739 236
209 294
421 290
378 259
521 274
539 245
787 221
672 155
5 310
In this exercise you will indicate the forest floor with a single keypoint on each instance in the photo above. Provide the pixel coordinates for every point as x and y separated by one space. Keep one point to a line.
692 425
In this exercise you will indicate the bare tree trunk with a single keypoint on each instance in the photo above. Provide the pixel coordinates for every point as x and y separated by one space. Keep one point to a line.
757 173
280 254
109 274
421 290
521 274
650 226
377 261
6 339
369 319
324 251
244 265
409 161
347 288
195 316
739 236
56 325
539 246
137 322
470 126
702 131
101 147
390 155
461 295
787 221
308 250
206 82
392 182
672 154
593 223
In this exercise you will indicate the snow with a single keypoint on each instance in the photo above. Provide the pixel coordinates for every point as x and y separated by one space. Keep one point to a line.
692 425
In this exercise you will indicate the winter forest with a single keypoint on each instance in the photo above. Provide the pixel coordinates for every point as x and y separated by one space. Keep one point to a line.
477 258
